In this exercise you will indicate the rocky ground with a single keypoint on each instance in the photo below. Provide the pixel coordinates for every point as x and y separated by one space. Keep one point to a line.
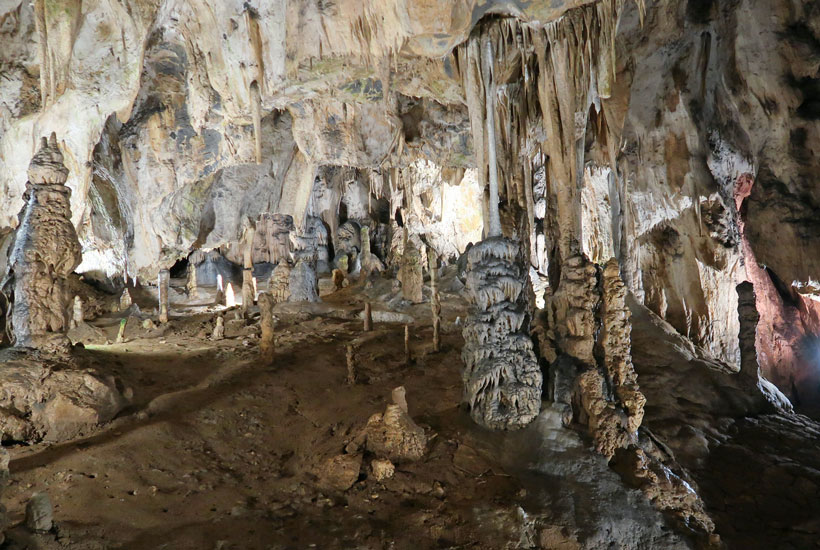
219 450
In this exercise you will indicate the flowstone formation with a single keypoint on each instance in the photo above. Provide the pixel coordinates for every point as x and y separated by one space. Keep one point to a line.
502 379
45 252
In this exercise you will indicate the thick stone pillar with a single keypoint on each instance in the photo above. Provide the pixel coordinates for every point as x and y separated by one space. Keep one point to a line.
502 379
45 252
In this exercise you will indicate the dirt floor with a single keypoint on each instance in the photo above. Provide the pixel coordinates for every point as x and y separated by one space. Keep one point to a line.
220 451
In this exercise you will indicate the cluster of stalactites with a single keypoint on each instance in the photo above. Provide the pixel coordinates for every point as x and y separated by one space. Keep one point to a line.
546 79
502 379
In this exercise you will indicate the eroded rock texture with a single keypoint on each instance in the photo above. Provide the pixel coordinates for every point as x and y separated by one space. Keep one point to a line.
45 252
502 379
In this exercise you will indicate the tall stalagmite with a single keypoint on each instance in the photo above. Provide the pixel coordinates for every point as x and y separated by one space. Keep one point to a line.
502 379
45 252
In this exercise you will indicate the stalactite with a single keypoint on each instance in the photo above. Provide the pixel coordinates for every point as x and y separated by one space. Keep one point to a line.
256 107
495 220
42 33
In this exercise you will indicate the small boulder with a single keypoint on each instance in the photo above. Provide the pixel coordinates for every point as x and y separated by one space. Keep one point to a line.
39 514
340 472
382 469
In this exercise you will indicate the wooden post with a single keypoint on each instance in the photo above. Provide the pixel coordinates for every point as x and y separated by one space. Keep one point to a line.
164 278
266 340
368 317
435 300
351 365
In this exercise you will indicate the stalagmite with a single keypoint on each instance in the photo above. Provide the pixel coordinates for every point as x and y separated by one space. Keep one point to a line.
412 276
303 284
164 279
369 261
219 329
279 282
247 269
266 323
435 300
121 331
230 297
77 317
350 355
191 284
44 253
502 379
368 317
219 299
125 300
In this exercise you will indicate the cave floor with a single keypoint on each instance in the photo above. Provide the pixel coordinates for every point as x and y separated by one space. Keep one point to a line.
220 450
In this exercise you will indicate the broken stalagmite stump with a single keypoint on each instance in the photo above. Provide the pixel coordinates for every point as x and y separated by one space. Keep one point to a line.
394 435
45 252
266 322
219 329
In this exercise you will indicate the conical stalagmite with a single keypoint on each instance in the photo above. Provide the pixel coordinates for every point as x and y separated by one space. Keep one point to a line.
45 252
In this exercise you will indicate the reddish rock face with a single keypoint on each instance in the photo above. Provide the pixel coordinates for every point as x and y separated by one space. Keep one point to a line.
788 334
